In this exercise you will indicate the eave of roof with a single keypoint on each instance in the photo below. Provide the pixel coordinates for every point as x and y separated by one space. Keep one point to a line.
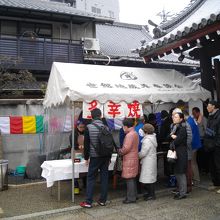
180 17
206 20
102 58
118 39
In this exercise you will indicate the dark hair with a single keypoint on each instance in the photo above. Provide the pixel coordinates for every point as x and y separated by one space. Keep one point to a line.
151 117
185 112
129 122
196 109
215 103
164 114
181 115
80 122
96 113
171 111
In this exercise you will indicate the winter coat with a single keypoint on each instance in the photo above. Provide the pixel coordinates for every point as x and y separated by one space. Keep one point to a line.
148 156
140 134
180 144
129 151
189 140
196 141
91 139
165 129
214 125
202 126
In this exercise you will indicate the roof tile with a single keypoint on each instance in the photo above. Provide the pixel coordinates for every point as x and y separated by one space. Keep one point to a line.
208 11
44 5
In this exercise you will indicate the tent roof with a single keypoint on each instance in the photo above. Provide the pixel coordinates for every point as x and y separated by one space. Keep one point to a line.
84 82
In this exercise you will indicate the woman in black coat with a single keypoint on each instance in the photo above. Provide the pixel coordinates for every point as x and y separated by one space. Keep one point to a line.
179 143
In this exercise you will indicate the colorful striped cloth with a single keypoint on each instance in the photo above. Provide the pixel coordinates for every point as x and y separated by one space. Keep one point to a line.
22 124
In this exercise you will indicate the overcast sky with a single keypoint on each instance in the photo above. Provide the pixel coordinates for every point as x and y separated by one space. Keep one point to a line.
140 11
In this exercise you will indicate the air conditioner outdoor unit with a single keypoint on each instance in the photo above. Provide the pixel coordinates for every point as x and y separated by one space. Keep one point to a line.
91 44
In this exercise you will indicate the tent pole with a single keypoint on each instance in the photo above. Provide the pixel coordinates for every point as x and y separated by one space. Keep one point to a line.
72 149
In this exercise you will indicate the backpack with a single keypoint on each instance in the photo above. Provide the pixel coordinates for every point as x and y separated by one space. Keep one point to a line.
105 145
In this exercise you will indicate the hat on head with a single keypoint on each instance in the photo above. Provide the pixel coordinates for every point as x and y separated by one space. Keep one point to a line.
177 110
148 128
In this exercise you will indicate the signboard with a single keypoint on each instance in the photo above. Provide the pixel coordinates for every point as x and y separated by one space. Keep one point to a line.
112 110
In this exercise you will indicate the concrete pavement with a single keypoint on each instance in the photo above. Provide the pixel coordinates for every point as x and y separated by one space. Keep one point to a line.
22 202
200 204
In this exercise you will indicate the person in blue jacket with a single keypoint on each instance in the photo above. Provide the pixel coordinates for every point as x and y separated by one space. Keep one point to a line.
138 129
196 144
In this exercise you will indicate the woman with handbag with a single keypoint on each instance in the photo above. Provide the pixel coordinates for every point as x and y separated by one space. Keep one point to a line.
179 144
129 151
148 156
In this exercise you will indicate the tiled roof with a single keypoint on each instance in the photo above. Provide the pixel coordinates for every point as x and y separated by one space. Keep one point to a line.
118 39
180 17
48 6
173 58
207 14
21 86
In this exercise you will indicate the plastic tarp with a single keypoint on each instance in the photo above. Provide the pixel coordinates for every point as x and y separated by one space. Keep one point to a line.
85 82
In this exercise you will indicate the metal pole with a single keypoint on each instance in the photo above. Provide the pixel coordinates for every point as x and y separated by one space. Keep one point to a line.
58 193
72 150
71 30
217 78
1 176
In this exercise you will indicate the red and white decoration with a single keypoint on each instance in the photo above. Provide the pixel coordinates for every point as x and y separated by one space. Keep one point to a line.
112 110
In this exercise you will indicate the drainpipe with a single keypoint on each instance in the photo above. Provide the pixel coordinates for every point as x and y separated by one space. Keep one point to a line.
71 30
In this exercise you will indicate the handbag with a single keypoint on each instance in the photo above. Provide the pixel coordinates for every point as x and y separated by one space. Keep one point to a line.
118 164
171 156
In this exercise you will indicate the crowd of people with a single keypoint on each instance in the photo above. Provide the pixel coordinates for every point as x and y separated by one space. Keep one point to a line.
194 138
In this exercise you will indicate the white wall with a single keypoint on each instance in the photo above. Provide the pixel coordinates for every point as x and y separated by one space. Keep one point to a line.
18 148
62 31
104 5
197 103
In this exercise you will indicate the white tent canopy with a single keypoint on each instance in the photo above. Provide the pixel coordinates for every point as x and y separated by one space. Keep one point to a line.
84 82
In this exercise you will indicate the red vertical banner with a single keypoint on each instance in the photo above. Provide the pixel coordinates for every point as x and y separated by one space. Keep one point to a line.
16 125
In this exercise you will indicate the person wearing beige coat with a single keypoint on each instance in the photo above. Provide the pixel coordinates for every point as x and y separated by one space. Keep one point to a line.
129 151
148 156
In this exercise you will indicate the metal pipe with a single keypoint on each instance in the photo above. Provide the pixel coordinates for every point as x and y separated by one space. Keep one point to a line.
73 150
